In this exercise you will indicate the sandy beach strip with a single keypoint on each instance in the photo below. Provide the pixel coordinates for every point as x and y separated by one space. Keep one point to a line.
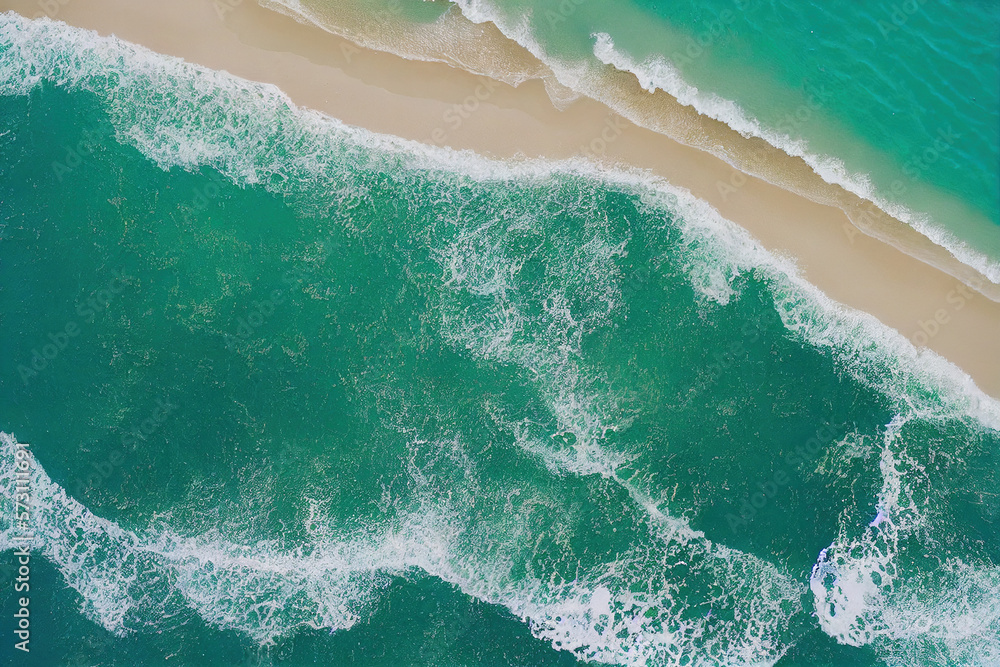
438 104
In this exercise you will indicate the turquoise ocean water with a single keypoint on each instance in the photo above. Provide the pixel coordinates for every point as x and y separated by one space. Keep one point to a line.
297 393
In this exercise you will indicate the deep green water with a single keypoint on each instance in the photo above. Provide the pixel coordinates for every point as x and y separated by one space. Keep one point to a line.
298 393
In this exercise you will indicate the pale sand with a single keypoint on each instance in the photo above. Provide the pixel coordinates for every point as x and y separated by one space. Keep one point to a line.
417 100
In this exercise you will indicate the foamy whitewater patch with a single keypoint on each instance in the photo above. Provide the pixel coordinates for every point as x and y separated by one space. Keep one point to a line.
874 588
132 582
660 74
492 311
619 612
179 114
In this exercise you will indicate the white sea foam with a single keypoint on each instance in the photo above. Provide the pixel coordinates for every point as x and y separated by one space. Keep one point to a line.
874 588
149 580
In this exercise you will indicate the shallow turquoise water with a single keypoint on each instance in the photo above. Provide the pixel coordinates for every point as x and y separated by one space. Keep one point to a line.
337 398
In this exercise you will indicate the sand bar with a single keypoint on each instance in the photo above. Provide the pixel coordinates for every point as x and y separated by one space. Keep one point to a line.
420 100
